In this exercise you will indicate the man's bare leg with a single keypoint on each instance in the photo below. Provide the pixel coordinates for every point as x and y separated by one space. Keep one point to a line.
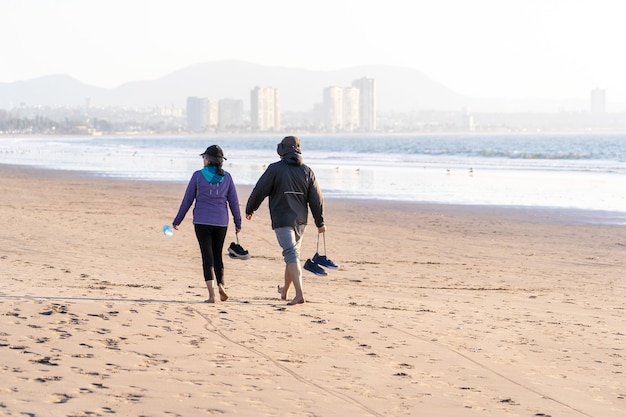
285 288
295 274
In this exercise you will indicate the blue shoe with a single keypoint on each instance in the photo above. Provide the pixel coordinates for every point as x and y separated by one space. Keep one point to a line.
322 260
314 268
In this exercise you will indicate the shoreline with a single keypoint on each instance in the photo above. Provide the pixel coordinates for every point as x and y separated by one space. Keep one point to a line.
534 213
434 310
522 172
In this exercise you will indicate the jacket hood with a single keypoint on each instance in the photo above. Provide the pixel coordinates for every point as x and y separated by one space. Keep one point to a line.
293 158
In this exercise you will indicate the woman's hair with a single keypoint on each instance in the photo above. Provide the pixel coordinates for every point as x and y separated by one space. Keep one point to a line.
217 162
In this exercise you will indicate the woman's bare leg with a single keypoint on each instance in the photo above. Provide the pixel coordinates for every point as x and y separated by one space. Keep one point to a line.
209 285
223 295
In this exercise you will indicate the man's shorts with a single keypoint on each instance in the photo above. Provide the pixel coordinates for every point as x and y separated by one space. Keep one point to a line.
290 240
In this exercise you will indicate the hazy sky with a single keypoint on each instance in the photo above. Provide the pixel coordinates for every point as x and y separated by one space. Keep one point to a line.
485 48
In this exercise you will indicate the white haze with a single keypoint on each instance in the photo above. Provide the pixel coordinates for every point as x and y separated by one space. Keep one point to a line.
483 48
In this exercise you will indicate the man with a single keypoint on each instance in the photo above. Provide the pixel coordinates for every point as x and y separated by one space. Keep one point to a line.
292 189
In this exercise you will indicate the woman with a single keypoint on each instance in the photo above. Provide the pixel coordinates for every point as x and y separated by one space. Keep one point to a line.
214 191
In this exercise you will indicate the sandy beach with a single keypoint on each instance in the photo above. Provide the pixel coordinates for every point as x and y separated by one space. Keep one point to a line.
436 310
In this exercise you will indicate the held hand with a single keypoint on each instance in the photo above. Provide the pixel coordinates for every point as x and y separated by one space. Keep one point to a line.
176 227
237 231
321 229
249 216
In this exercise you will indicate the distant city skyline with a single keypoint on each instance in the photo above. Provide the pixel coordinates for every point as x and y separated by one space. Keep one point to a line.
483 48
344 109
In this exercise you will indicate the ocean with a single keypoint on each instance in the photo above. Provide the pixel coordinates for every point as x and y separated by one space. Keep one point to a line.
554 171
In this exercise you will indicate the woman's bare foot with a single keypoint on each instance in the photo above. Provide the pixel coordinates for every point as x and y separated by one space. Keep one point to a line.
223 295
209 300
296 301
282 295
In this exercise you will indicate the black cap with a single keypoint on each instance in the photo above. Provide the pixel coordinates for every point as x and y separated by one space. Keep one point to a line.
215 151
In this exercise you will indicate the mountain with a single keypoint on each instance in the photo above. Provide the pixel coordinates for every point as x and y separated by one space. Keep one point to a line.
398 89
59 89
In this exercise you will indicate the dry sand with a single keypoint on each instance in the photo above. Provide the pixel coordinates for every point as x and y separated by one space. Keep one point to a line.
436 310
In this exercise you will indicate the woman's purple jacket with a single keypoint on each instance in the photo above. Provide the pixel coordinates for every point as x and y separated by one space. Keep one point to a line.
212 201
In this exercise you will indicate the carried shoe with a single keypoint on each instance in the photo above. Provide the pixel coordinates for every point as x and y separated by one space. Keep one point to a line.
314 268
236 251
322 260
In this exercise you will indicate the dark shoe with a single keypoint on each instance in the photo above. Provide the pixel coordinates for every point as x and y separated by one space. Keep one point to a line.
314 268
235 251
322 260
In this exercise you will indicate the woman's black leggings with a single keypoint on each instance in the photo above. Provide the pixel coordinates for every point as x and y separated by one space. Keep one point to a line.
211 241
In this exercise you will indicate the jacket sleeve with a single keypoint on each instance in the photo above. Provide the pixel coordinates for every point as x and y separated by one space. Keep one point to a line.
316 201
233 203
190 195
262 189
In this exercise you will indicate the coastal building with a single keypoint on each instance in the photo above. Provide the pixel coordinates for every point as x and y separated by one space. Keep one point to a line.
351 109
202 114
367 103
598 101
212 114
265 109
341 109
348 109
467 121
230 114
197 114
333 108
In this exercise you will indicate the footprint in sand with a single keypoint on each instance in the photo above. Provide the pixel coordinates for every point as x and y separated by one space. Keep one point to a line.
44 361
49 378
61 398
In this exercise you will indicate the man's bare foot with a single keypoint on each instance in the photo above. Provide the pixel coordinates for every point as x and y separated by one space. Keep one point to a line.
223 295
280 291
209 300
296 301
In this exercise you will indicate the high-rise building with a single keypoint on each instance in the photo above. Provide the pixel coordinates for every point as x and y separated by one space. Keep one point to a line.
202 114
265 108
367 103
351 109
230 113
197 114
598 101
333 106
341 109
213 114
